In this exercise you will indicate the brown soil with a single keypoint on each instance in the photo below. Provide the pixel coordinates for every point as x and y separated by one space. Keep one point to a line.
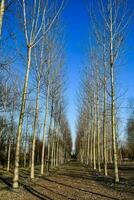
72 181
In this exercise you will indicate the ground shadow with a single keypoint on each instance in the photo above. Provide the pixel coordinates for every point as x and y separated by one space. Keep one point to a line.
79 189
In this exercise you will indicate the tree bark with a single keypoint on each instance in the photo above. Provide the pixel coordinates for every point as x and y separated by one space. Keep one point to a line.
19 131
91 143
104 128
98 135
10 143
88 146
94 140
2 9
45 130
50 137
35 127
25 153
113 98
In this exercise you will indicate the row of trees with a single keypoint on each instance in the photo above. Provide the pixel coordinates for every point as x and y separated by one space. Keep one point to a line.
97 129
34 127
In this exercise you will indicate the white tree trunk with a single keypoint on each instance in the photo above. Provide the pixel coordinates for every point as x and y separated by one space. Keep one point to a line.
17 153
2 8
45 130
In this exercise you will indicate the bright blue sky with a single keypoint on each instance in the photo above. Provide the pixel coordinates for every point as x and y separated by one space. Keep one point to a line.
76 20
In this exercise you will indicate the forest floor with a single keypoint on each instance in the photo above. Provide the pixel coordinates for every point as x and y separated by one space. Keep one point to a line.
72 181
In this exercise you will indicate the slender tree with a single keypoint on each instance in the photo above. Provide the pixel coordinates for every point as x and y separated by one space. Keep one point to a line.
32 39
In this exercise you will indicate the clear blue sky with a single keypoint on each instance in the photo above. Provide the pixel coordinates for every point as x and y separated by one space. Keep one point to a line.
76 20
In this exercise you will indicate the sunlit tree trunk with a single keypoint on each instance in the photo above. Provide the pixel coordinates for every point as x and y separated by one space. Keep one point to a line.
113 127
104 124
98 135
2 8
94 140
85 146
88 145
113 124
10 143
53 157
19 131
98 118
91 143
48 151
29 146
50 137
45 130
52 152
113 97
35 123
26 136
110 153
9 155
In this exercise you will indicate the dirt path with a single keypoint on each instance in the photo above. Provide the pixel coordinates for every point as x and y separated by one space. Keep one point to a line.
72 181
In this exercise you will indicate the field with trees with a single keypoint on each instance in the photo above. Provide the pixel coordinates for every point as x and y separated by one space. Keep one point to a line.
40 155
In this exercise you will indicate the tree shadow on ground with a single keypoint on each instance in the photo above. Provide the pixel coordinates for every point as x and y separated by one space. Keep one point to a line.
126 184
8 186
69 171
36 193
55 192
79 189
7 181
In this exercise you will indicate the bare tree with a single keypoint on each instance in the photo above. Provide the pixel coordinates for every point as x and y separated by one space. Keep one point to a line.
33 35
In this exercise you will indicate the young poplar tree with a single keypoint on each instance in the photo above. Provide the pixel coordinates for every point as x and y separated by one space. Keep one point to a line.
116 17
110 23
33 35
39 69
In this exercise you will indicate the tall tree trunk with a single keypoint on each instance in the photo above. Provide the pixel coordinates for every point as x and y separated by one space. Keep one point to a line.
91 143
25 153
48 152
98 120
10 143
98 135
2 9
19 131
29 136
113 126
35 127
45 130
9 155
113 97
88 145
53 148
104 127
50 137
57 152
110 156
94 140
52 152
